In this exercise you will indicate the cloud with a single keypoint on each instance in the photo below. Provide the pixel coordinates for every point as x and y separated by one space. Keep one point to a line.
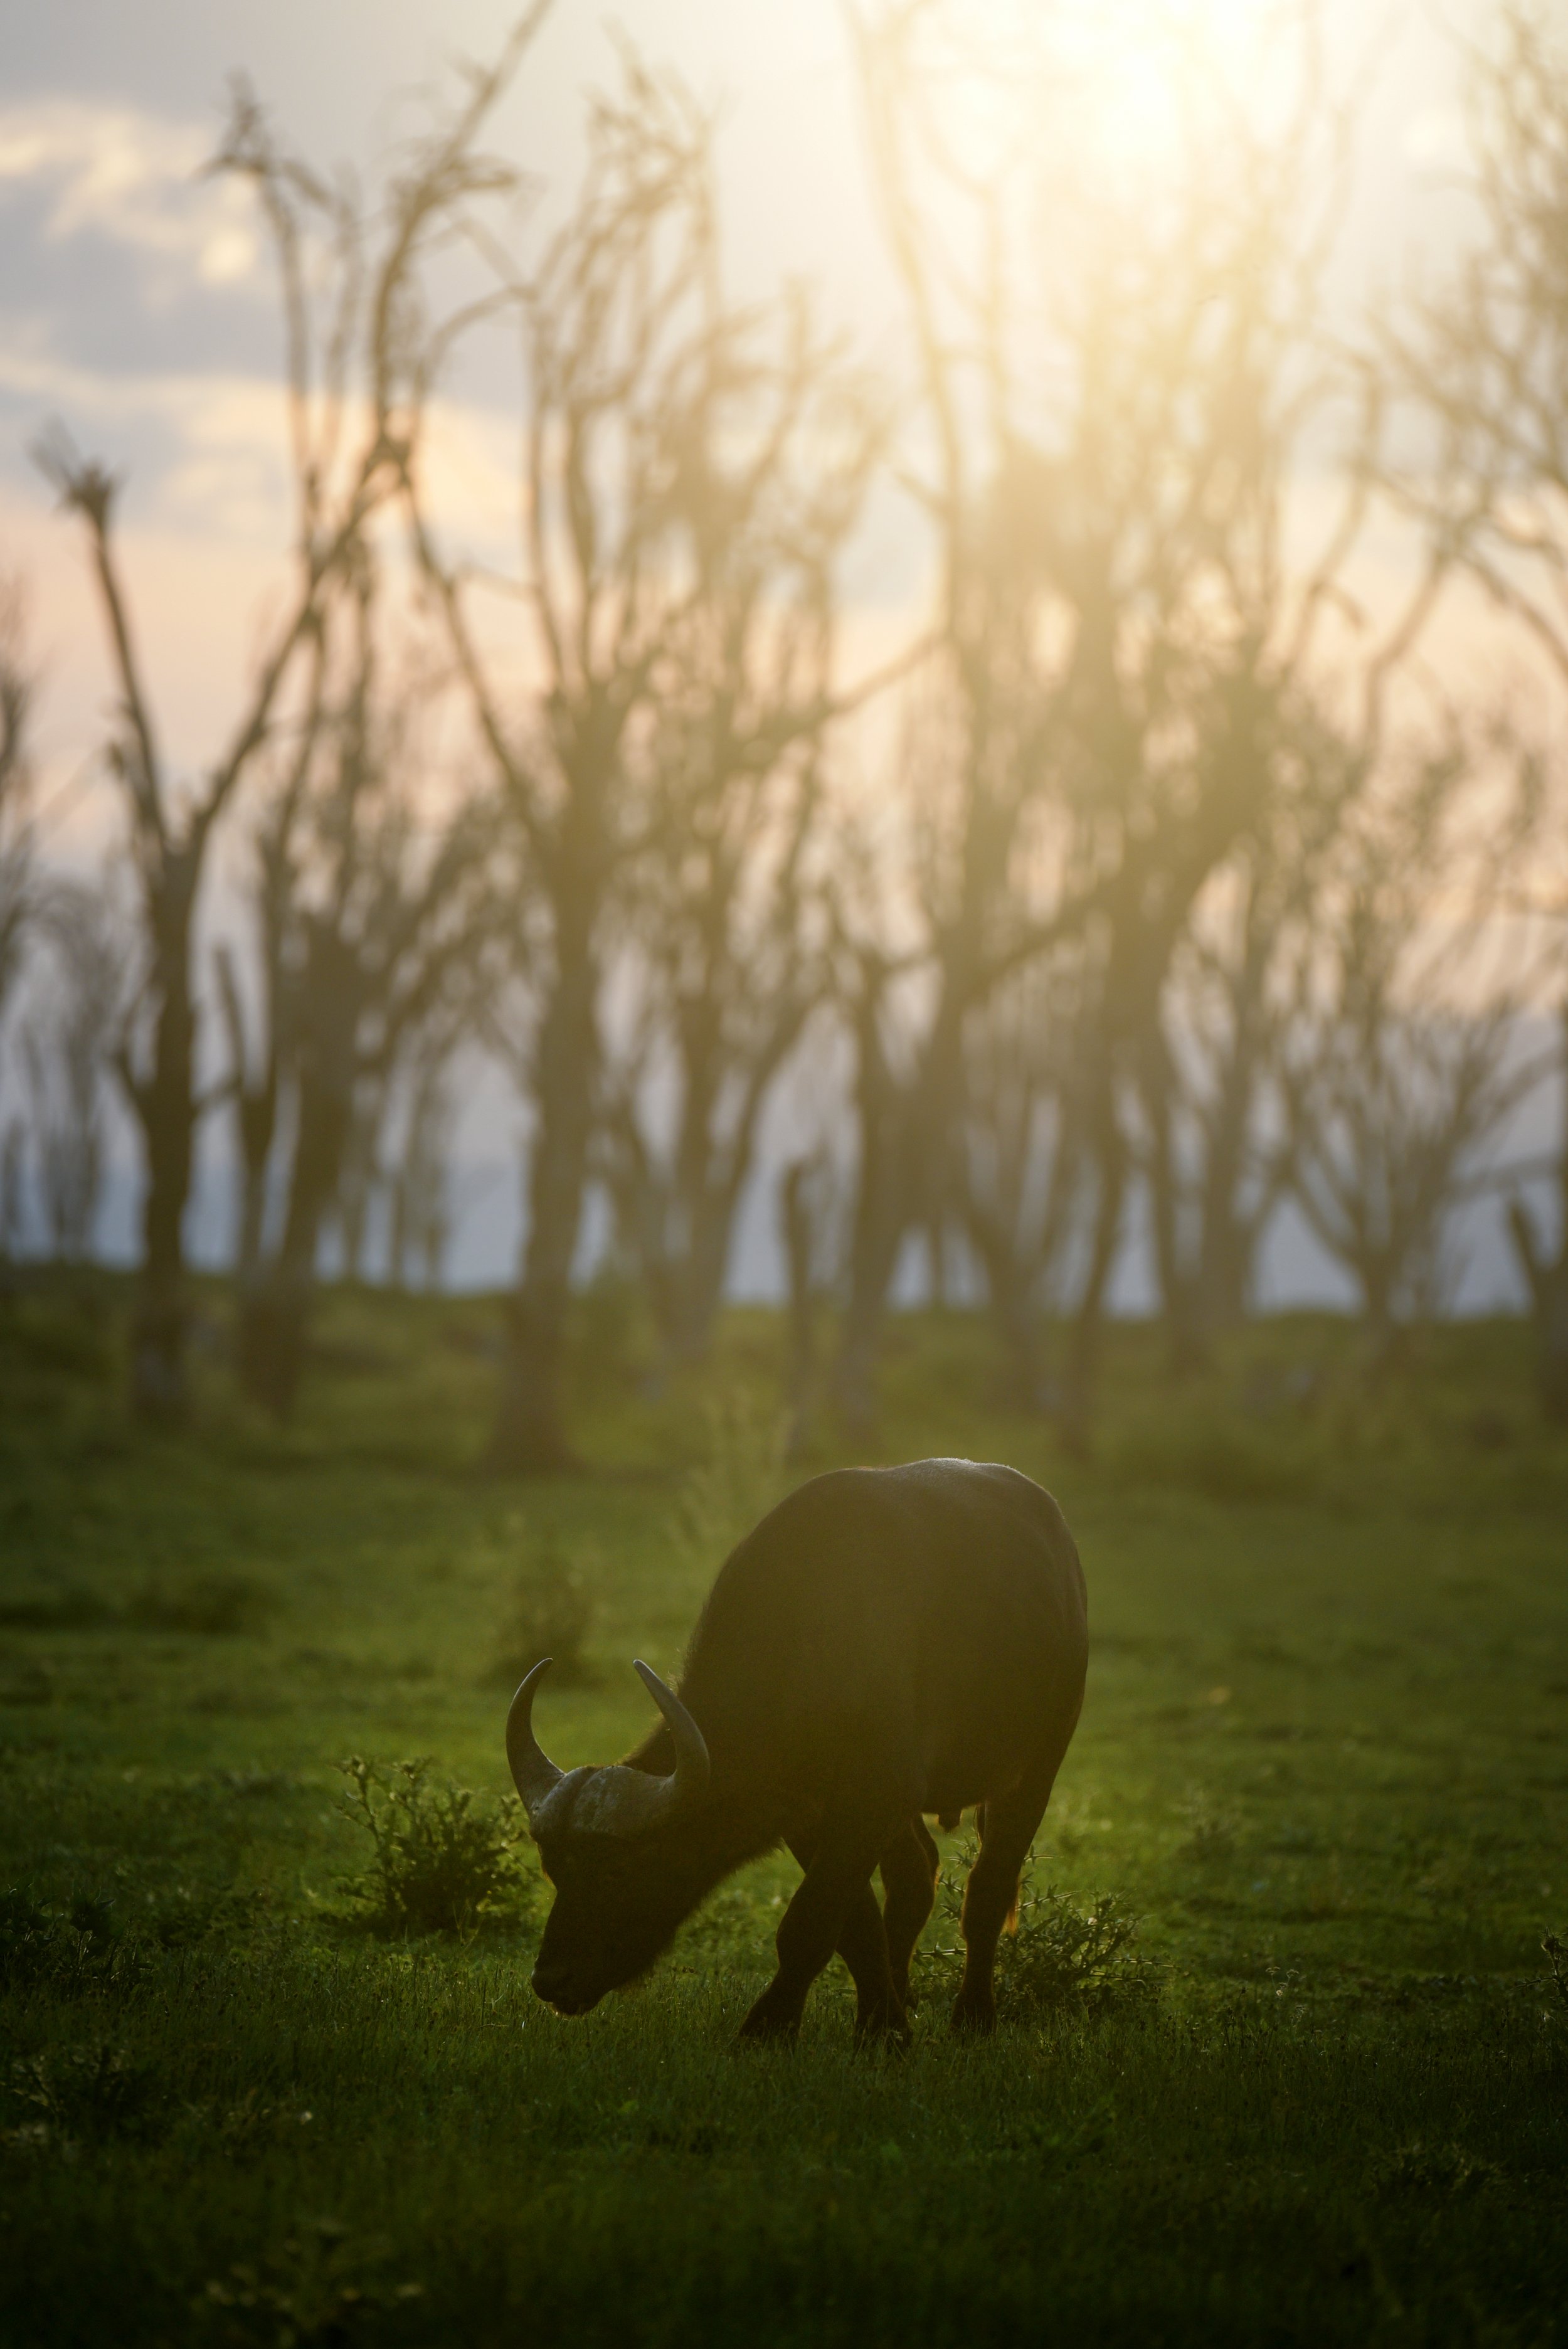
220 454
135 179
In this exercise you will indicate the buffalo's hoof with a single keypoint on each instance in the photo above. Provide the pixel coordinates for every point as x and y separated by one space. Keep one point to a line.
883 2027
887 2038
767 2024
973 2019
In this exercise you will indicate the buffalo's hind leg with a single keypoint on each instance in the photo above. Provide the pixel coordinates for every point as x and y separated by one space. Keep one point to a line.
1008 1829
1008 1826
909 1870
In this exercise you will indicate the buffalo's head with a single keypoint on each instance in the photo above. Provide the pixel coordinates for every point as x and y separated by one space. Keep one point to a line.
612 1843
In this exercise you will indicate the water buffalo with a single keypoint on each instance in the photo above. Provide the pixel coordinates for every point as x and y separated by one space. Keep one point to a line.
888 1641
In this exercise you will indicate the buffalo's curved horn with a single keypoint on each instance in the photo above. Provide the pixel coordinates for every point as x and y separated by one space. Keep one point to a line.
533 1773
693 1768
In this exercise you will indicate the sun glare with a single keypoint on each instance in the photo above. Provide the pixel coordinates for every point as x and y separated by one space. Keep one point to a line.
1143 77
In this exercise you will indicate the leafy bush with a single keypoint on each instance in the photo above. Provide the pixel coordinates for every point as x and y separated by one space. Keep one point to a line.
1059 1956
549 1612
438 1864
1064 1956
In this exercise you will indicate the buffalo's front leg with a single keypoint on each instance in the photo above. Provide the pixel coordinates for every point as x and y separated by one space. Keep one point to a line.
833 1895
864 1947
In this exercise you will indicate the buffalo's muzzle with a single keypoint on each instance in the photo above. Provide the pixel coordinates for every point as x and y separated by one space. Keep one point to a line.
556 1991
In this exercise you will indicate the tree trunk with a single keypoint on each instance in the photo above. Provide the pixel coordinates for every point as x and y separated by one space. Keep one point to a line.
1010 1290
884 1190
1547 1277
276 1312
796 1232
528 1436
165 1106
275 1315
695 1283
1179 1289
1081 1381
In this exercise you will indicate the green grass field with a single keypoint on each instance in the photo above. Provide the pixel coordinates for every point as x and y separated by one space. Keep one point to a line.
1323 2098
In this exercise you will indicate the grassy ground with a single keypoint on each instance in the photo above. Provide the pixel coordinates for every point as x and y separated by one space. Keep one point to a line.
1321 2099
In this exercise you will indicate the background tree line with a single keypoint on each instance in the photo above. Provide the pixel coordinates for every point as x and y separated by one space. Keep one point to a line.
1159 875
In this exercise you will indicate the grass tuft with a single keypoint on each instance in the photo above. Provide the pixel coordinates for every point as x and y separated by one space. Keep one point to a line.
1060 1955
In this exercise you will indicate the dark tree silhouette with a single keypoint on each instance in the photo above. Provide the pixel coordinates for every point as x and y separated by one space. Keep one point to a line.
358 335
1479 365
1120 641
640 598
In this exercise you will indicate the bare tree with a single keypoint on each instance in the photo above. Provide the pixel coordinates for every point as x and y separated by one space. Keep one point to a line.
1544 1260
19 691
1216 1144
68 1049
1028 1175
358 335
385 918
725 905
421 1181
13 1148
1479 366
639 595
360 1177
809 1205
1398 1069
1121 634
256 1030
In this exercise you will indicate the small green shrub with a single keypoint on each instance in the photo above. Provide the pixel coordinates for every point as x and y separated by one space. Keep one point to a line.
549 1612
438 1864
1059 1955
1556 1952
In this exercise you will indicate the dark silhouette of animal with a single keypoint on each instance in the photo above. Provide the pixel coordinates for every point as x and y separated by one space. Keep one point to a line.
886 1643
